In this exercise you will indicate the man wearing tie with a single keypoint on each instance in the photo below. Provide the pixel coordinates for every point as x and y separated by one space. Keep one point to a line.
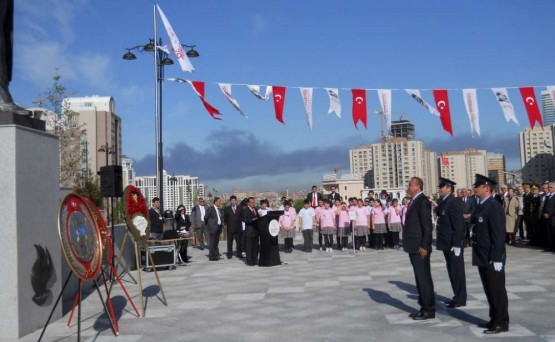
469 203
233 222
314 196
417 242
334 196
213 223
197 216
450 239
488 253
250 216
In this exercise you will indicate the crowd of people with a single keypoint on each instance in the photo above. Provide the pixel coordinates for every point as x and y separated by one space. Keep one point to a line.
480 218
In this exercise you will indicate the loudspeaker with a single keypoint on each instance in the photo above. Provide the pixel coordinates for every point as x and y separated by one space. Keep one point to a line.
111 181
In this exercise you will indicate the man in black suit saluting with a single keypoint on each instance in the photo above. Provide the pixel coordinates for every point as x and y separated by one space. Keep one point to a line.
488 253
450 239
417 242
213 221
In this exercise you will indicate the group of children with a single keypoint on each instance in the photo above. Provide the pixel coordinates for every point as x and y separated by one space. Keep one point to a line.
371 222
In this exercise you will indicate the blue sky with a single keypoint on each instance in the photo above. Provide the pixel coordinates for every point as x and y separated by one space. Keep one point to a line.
344 44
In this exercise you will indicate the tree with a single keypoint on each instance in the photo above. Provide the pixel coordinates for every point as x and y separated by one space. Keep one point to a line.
63 122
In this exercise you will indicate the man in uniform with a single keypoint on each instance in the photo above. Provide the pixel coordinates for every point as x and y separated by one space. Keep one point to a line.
489 254
450 239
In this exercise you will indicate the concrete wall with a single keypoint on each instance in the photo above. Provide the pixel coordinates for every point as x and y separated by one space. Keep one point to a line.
29 183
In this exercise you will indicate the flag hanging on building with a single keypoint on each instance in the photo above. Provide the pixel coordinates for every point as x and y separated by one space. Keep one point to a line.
415 94
335 102
441 98
255 90
306 94
175 44
502 97
279 102
385 101
198 87
471 105
531 105
359 107
226 89
444 160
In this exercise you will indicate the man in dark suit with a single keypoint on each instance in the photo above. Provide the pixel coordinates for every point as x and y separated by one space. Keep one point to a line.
450 239
213 222
417 242
469 204
314 196
156 220
548 216
233 221
250 216
334 196
488 253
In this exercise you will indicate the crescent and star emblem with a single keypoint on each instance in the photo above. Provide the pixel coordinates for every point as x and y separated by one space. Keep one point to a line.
530 100
359 100
441 104
278 97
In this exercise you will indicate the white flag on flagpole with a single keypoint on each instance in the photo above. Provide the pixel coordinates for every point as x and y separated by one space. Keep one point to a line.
503 98
175 44
306 94
415 94
471 104
255 90
335 102
226 89
551 90
385 101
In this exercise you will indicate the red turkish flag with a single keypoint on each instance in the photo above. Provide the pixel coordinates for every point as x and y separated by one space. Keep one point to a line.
359 106
279 102
531 105
444 160
199 89
442 104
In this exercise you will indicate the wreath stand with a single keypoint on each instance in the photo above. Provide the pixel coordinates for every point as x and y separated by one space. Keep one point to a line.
149 256
78 300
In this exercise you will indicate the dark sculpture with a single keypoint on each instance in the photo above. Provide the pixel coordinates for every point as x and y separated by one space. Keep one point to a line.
6 58
41 274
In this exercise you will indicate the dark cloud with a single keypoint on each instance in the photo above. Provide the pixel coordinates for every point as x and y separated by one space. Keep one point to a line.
495 142
233 154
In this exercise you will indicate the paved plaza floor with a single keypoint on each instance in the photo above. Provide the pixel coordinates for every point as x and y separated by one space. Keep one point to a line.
318 297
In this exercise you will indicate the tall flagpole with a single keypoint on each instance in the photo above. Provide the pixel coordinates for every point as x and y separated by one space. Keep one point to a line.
158 113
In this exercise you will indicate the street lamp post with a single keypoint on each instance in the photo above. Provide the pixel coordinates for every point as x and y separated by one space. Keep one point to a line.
161 59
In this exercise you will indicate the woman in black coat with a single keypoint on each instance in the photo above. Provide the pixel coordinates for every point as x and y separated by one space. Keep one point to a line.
183 226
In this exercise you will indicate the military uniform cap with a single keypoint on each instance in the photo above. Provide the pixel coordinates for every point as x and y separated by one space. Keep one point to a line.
483 180
445 182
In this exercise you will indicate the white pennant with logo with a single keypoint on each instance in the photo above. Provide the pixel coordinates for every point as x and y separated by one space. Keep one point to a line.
503 98
226 89
415 94
471 105
255 90
176 44
385 101
335 102
306 94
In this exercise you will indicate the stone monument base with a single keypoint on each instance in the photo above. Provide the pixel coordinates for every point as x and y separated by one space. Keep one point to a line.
30 193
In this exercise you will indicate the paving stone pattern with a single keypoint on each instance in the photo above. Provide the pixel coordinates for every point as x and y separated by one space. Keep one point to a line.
318 297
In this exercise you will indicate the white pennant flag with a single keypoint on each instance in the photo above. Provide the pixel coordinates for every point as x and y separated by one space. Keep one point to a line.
551 90
503 98
335 102
385 101
306 94
415 94
176 44
255 89
471 104
226 89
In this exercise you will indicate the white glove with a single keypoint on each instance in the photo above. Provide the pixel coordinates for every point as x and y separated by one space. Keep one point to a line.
456 250
498 266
